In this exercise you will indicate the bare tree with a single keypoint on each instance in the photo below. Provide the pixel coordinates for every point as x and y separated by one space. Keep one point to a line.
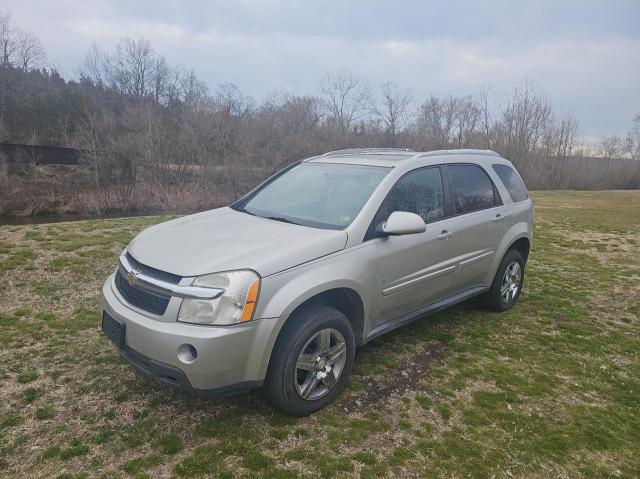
288 127
632 139
132 67
296 113
610 147
487 123
89 137
566 133
19 49
435 122
135 69
94 68
452 122
467 120
525 124
160 78
231 101
192 91
131 70
559 144
392 110
29 52
345 99
7 41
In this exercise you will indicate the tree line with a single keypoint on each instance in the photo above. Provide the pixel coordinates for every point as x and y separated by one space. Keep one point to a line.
153 136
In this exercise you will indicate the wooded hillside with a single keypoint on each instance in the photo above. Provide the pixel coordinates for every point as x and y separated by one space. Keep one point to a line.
154 137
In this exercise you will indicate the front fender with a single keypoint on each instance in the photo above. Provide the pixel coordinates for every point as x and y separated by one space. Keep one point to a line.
354 268
281 293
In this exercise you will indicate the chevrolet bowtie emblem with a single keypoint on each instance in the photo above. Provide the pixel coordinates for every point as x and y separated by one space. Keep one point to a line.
131 277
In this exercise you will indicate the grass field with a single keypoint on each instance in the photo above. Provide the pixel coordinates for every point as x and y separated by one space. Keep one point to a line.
548 389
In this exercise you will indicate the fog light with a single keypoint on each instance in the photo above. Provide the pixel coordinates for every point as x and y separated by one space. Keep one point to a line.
187 353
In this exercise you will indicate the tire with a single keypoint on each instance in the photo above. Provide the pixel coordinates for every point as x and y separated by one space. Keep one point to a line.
306 333
495 298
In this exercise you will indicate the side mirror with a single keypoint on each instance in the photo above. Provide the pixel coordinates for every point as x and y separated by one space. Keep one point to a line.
403 223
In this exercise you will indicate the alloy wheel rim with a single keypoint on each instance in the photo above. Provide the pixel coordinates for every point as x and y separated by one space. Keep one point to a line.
511 282
320 364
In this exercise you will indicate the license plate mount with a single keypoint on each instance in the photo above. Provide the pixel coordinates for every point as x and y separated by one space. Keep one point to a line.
113 329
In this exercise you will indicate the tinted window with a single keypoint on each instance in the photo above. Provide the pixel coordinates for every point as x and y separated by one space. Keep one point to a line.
417 192
512 182
472 188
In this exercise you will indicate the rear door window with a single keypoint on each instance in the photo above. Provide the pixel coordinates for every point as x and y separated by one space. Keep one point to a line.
472 188
512 182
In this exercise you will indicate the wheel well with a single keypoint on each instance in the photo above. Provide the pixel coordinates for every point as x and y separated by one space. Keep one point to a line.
345 300
522 245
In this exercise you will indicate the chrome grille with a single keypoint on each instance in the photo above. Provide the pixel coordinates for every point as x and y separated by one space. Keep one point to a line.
141 298
153 272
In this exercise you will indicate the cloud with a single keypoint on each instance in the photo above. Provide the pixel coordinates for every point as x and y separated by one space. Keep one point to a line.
583 55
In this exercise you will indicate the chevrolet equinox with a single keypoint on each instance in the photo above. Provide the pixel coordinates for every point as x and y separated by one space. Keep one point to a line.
278 289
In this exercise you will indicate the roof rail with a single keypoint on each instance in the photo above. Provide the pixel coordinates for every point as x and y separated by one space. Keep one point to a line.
458 152
364 151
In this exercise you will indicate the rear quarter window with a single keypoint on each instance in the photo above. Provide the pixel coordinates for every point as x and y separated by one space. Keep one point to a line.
512 182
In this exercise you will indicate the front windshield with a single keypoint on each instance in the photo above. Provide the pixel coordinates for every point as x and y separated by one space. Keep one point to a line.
322 195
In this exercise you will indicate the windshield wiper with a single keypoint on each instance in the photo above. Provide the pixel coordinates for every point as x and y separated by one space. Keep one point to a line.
244 210
281 218
275 218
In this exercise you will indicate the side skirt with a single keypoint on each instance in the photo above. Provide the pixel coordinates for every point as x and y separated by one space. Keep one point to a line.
422 312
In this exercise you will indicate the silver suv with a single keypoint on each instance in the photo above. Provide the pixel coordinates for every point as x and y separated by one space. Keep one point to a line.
278 289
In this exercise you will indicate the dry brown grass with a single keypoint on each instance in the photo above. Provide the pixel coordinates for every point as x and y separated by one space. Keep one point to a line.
548 389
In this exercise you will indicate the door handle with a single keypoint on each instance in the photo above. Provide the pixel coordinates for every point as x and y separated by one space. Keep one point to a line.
499 218
444 234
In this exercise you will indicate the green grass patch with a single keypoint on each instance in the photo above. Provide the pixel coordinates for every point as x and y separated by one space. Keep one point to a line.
31 394
206 461
46 412
548 389
16 257
140 464
168 443
76 449
27 377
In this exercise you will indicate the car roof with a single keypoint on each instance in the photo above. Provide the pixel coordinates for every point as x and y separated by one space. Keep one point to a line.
391 157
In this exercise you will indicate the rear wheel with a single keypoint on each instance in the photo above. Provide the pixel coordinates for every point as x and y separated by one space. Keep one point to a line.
311 361
507 283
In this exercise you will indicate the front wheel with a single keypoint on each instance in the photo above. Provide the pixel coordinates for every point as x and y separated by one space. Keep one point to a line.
507 283
311 360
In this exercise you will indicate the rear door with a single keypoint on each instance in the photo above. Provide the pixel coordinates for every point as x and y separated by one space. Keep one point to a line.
479 223
415 270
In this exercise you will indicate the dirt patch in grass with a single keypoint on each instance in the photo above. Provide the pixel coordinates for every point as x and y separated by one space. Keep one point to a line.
410 374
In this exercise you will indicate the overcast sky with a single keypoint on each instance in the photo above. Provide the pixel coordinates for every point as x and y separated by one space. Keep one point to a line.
583 55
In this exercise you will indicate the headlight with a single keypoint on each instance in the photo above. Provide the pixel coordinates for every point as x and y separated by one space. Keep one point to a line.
235 305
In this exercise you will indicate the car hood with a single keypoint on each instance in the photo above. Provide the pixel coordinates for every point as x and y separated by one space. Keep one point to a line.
224 239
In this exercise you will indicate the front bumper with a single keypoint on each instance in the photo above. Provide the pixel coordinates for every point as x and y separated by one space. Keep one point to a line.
229 358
